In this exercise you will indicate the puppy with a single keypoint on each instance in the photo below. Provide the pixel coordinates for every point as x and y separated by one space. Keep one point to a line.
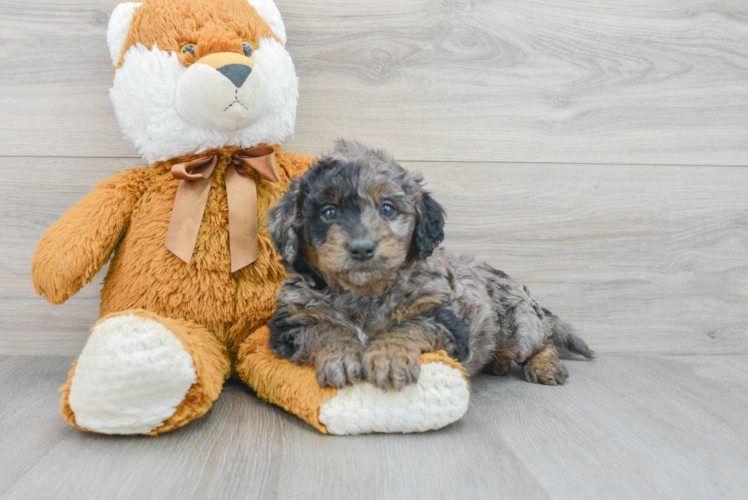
369 290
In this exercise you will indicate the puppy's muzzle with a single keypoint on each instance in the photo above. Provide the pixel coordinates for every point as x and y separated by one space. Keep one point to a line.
362 249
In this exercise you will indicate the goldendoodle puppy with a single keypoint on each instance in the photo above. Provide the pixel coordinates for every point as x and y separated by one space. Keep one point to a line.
369 291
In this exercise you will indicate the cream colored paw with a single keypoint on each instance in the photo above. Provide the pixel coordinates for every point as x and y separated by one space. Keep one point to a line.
440 397
130 377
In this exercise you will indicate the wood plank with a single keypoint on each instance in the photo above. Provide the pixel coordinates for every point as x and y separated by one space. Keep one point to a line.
630 426
30 420
100 455
538 81
31 203
56 79
246 448
639 258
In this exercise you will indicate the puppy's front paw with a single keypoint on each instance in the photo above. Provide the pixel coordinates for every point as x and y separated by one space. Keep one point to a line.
390 365
336 366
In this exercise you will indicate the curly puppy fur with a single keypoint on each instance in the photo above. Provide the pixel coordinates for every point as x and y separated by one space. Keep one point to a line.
369 291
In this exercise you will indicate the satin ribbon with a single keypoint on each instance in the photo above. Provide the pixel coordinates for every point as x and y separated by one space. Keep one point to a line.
241 191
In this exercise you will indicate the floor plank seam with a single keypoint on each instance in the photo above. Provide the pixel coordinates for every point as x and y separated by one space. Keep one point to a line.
455 160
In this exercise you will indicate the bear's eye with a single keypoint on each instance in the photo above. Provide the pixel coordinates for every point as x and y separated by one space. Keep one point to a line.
387 210
328 213
188 48
248 48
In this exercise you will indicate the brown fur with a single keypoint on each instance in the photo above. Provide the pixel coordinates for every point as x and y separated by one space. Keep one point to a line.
503 360
67 412
280 381
211 310
212 25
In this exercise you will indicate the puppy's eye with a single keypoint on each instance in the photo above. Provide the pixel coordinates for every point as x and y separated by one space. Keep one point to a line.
328 213
188 48
248 48
387 210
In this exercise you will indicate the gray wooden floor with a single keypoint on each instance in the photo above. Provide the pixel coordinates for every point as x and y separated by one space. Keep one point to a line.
625 426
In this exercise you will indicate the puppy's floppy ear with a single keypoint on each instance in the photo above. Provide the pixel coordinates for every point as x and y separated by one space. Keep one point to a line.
429 230
284 221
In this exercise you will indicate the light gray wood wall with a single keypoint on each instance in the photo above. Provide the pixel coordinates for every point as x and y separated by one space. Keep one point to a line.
593 150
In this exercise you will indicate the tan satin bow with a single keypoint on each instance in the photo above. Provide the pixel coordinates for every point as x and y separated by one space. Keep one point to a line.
192 196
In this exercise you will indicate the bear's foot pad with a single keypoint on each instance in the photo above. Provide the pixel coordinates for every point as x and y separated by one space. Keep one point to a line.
130 377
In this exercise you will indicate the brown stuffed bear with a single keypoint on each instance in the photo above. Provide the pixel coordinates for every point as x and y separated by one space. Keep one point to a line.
202 88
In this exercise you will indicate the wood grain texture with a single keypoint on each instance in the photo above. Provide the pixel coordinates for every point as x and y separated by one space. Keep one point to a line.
35 192
651 82
638 258
623 426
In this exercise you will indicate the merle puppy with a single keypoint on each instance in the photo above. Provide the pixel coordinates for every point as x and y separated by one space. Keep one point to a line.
369 291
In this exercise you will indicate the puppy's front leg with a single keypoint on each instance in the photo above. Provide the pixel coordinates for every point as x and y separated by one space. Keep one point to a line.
336 355
392 358
304 337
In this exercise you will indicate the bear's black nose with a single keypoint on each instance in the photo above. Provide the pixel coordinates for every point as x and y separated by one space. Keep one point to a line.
237 73
362 249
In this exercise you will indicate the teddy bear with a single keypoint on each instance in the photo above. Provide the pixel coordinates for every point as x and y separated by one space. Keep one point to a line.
206 91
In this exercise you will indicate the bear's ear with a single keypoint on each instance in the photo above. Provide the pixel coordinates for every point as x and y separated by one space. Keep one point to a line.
284 222
268 11
119 27
429 230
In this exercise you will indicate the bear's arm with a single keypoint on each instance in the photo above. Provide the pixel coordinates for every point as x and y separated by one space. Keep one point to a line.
75 248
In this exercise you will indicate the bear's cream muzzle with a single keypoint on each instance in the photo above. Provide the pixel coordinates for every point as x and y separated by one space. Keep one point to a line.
225 91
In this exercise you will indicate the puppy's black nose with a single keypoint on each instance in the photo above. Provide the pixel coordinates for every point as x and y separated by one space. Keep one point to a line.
362 249
237 73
